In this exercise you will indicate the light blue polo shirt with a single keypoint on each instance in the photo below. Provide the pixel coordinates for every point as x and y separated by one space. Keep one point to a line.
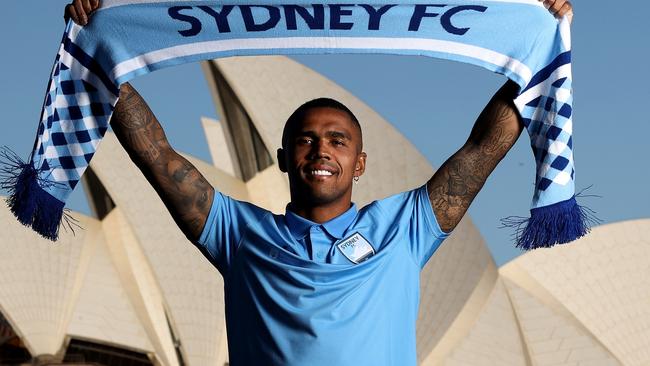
294 294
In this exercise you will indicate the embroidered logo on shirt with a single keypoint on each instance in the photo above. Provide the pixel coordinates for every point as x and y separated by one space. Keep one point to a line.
356 248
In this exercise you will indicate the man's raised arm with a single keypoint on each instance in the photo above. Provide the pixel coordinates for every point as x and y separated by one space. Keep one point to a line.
186 193
453 187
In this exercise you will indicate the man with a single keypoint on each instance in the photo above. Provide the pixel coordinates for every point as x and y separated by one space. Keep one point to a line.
324 284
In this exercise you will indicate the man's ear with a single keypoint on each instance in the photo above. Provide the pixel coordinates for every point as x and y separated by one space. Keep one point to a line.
360 168
282 163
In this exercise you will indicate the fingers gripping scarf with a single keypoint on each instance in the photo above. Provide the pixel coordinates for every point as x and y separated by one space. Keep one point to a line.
128 38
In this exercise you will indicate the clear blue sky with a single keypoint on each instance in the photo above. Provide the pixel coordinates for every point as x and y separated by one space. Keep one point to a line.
433 103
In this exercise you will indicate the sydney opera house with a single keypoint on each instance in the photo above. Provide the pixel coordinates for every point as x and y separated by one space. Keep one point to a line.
129 289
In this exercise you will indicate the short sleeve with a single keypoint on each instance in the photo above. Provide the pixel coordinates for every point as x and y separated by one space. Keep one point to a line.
224 228
413 213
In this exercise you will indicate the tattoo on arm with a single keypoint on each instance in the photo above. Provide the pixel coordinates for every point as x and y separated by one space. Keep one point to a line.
186 193
136 127
454 186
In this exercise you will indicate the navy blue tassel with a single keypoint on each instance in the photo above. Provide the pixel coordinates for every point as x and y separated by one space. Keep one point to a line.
559 223
32 206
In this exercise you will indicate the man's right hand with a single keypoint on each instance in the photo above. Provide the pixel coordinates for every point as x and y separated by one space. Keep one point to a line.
80 10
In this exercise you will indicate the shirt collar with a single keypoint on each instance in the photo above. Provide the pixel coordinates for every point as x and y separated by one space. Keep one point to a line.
299 226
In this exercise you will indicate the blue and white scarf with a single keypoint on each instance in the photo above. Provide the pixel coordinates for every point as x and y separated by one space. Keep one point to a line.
128 38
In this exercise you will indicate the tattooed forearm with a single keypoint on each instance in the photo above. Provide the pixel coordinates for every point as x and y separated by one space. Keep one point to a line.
185 192
183 189
136 127
455 185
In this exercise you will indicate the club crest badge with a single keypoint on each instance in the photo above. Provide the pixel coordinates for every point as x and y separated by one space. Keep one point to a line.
356 248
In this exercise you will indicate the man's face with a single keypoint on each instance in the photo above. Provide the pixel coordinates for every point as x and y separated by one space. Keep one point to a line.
322 156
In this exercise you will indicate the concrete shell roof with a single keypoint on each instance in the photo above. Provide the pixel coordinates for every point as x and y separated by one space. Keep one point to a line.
583 303
600 285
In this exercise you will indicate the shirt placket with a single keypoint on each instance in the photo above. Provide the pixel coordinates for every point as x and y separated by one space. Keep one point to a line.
320 244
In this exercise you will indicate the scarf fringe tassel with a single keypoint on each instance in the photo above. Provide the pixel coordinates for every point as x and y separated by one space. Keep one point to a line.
28 201
560 223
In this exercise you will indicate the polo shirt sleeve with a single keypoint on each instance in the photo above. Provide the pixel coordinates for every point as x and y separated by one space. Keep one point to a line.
224 228
413 213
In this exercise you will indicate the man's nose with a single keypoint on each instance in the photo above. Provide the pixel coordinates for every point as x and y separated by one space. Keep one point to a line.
319 150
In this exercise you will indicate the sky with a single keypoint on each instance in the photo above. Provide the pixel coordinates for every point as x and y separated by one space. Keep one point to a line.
432 102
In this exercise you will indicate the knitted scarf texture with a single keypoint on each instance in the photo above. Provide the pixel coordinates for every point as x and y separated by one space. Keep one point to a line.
128 38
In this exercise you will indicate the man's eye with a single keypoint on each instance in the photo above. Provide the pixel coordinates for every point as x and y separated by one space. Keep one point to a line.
338 142
304 140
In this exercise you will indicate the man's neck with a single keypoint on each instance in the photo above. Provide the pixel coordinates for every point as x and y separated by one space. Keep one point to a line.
320 213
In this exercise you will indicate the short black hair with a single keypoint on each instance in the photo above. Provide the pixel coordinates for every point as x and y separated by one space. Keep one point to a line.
299 114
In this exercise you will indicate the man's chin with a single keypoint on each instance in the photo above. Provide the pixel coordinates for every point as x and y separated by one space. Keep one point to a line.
318 192
321 196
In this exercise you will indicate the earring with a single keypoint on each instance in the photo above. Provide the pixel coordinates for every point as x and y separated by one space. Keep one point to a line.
356 179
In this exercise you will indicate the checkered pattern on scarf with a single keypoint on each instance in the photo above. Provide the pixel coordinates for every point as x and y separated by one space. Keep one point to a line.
548 120
74 120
